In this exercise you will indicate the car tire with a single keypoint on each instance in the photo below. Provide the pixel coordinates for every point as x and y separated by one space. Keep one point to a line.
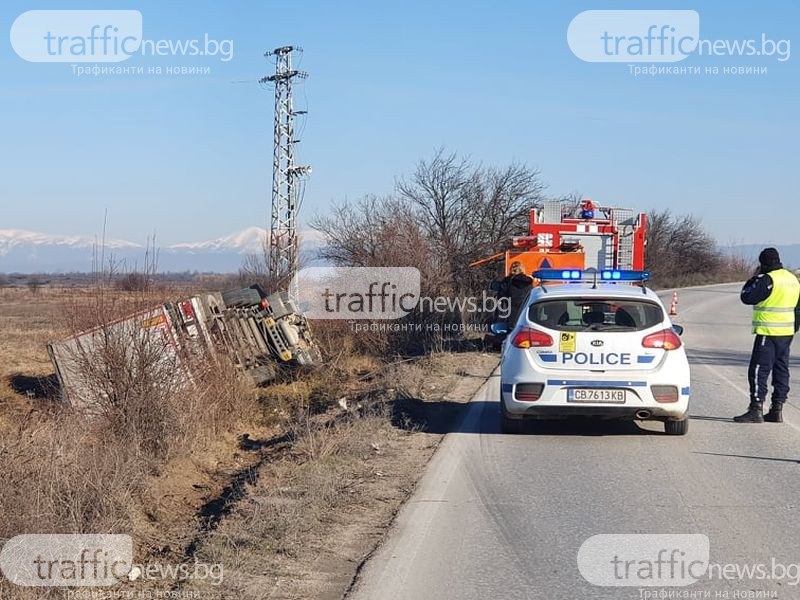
512 426
676 427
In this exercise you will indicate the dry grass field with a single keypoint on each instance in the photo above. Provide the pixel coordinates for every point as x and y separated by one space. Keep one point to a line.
28 321
287 487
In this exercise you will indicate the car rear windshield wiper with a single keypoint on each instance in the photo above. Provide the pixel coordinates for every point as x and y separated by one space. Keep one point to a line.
607 327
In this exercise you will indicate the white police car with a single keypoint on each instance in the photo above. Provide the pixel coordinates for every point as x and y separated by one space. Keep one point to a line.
593 346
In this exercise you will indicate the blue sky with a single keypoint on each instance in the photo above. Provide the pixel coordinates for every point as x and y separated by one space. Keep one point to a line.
190 157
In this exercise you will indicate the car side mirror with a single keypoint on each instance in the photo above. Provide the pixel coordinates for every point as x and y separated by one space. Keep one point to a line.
678 329
495 286
499 328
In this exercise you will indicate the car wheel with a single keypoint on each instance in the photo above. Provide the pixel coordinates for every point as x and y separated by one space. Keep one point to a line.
676 427
512 426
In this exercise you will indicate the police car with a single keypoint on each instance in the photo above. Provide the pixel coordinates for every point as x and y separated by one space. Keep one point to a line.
590 344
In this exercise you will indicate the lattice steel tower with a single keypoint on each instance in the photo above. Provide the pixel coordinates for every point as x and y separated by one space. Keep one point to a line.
283 246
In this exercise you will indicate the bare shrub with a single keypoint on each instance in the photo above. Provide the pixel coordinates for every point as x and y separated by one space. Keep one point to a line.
410 377
680 251
314 438
61 476
338 340
127 375
221 399
34 284
385 232
736 268
140 390
133 282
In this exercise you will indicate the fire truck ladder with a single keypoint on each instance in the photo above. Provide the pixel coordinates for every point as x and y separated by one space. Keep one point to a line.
624 220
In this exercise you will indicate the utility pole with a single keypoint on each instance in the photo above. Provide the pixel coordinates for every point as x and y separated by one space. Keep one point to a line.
283 246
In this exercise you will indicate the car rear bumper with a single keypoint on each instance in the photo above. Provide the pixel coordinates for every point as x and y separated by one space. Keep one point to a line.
639 404
530 411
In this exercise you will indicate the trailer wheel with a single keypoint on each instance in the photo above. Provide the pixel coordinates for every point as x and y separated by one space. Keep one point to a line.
242 297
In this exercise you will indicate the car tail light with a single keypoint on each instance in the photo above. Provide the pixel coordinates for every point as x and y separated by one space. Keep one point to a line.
528 392
666 339
664 394
531 338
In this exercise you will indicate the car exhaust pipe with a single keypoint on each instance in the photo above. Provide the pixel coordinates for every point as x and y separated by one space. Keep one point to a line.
643 414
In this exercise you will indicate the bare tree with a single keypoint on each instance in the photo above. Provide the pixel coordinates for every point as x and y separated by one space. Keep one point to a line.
255 268
439 190
371 232
447 213
469 211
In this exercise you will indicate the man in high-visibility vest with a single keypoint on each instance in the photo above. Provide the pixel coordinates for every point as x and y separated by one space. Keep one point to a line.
774 293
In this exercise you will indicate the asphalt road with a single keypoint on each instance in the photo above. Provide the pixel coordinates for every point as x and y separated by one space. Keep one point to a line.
503 516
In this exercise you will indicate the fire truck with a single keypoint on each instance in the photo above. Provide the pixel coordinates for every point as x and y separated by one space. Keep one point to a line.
577 236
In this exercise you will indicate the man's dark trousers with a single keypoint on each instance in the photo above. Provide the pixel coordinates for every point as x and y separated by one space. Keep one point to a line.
770 354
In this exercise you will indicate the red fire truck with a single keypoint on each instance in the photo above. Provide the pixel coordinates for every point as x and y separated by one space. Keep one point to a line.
578 236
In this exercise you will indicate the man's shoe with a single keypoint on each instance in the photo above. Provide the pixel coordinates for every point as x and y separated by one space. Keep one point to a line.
754 414
775 414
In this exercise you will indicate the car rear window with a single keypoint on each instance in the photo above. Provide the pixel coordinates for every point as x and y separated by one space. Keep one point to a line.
596 314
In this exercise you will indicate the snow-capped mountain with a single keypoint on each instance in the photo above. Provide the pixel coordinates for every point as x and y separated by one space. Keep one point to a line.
30 251
24 251
11 238
251 239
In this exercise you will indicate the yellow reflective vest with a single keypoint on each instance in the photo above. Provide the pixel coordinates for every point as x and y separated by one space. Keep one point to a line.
775 315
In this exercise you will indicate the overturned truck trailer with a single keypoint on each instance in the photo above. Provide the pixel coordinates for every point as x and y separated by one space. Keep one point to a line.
260 334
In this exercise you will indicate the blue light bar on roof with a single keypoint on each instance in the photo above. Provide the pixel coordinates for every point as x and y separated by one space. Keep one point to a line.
578 275
624 275
558 274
